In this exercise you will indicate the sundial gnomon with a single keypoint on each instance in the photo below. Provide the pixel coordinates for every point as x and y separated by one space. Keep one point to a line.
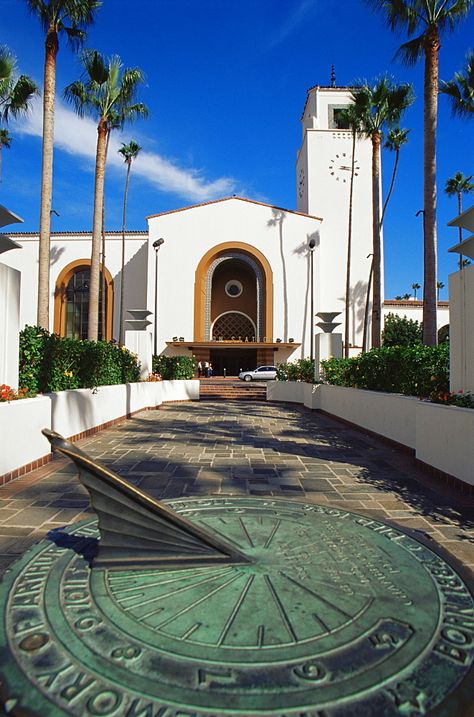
235 606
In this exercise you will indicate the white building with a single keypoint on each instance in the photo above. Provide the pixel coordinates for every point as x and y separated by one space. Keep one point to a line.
231 281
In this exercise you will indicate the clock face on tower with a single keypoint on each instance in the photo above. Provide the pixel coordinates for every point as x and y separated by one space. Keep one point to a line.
301 183
341 165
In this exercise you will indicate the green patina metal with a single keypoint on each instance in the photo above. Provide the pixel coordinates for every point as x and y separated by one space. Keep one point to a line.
330 614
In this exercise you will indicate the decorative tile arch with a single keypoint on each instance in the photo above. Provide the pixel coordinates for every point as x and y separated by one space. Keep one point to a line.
235 323
60 299
203 287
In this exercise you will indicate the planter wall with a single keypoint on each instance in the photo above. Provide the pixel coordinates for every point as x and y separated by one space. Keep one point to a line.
441 436
72 413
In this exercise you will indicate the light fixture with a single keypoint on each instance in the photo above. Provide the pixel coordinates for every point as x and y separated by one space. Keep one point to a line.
278 341
175 338
291 341
181 338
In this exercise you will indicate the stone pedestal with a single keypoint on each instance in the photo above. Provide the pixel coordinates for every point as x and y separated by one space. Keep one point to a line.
326 346
9 325
140 342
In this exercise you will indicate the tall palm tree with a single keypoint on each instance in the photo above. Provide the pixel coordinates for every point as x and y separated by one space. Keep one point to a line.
461 89
379 106
439 286
428 20
16 93
349 118
5 142
57 17
396 138
108 94
415 286
457 185
129 152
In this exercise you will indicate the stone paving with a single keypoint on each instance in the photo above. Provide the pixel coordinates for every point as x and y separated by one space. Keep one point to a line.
234 448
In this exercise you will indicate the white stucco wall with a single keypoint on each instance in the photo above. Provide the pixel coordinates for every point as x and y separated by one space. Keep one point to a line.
414 310
461 296
10 287
189 234
66 248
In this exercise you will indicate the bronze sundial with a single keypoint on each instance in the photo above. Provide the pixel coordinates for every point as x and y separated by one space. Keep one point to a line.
233 606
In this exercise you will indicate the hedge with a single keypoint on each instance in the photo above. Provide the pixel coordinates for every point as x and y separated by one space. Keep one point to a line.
410 370
51 363
300 370
174 367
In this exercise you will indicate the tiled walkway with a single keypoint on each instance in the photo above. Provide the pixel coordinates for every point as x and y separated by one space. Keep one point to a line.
239 449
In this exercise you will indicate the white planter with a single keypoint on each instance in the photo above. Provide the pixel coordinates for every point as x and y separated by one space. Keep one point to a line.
20 428
445 439
180 390
290 391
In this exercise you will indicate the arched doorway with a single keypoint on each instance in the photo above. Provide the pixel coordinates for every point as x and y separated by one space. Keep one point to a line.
233 277
71 302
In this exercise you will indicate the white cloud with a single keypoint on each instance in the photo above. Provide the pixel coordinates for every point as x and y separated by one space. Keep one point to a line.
293 21
78 137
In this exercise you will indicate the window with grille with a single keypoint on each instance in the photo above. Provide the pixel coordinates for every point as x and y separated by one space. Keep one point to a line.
233 327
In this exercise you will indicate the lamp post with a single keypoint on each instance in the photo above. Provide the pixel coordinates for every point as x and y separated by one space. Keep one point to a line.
156 247
311 245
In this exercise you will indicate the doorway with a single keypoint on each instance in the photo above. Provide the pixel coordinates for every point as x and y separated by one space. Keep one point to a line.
233 361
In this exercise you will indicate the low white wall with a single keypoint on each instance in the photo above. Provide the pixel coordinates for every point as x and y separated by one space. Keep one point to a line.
20 428
441 436
76 411
10 282
445 439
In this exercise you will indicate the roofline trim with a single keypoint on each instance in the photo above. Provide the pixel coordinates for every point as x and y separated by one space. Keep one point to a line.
226 199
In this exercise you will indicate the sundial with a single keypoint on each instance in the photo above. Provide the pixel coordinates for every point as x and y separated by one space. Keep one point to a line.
204 607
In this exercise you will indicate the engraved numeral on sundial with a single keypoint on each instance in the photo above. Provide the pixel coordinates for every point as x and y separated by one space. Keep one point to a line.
127 652
210 677
384 640
311 671
408 699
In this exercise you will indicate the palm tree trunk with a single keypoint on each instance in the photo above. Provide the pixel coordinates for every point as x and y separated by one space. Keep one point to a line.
392 184
349 249
367 302
431 82
93 326
376 295
51 51
103 281
122 276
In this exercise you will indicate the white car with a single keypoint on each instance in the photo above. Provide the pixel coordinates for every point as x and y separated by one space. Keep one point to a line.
265 373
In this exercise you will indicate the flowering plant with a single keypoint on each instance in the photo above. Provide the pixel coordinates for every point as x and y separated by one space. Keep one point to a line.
458 398
153 377
7 393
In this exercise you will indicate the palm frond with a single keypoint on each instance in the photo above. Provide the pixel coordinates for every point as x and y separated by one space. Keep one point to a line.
21 93
411 51
5 139
400 14
396 138
95 66
461 89
129 151
76 94
459 184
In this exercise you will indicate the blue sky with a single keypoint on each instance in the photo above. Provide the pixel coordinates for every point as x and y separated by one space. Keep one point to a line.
226 85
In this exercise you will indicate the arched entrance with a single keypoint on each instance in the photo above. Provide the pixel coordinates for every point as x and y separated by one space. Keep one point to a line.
71 302
233 308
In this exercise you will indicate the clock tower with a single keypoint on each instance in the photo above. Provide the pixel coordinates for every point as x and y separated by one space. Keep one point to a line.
323 172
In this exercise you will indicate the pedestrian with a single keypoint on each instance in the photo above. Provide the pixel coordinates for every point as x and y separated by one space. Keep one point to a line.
210 371
206 369
199 368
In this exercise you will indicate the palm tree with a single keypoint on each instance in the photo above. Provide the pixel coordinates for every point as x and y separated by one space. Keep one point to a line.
427 19
415 286
16 93
462 263
458 185
349 118
57 17
461 89
396 138
129 152
439 286
406 296
378 106
108 94
5 142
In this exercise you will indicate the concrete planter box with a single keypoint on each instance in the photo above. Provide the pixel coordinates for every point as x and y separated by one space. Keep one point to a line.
20 428
441 436
445 439
74 412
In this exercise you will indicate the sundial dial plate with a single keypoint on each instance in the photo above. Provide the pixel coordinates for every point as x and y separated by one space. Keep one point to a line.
333 612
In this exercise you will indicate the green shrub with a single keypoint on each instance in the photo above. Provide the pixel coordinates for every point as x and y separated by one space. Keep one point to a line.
50 363
410 370
299 370
400 331
174 367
